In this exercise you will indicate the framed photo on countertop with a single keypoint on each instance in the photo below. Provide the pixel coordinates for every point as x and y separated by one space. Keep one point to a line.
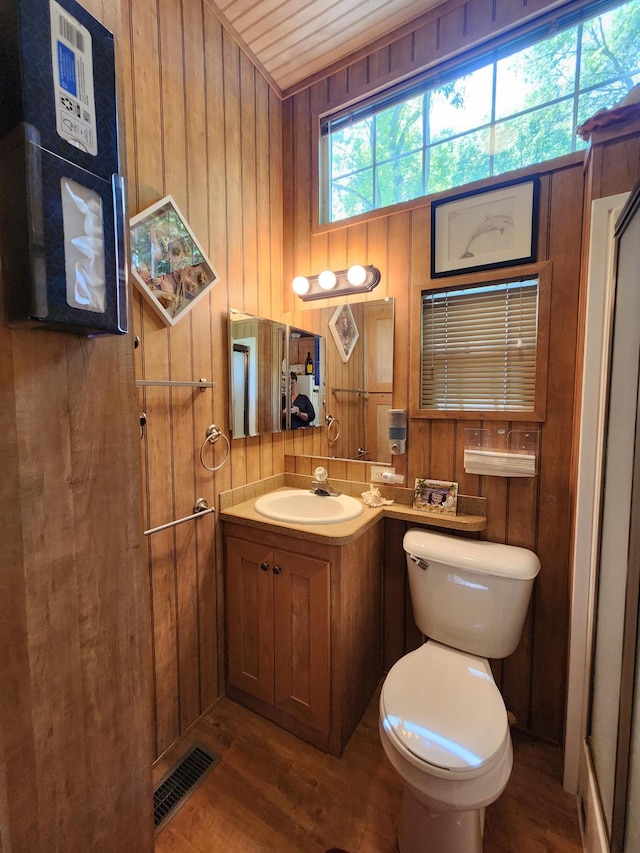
437 497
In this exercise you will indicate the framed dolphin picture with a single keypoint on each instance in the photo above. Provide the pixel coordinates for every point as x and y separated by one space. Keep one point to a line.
485 229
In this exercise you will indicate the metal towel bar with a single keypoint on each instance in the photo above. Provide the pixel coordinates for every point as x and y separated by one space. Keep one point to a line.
202 384
200 507
349 390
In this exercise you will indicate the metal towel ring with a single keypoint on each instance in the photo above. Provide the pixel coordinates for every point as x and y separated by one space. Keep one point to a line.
330 421
212 435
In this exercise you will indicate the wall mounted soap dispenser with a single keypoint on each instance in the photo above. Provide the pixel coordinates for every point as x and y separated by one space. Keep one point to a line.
397 431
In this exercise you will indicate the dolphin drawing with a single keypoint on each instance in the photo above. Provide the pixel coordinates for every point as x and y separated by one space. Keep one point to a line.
490 223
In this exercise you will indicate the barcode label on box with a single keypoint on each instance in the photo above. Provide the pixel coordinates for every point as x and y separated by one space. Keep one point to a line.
72 62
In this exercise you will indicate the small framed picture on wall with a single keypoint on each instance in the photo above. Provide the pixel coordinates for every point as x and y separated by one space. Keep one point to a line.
169 266
484 230
344 331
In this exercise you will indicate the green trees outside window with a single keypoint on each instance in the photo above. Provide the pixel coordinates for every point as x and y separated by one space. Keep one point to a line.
514 111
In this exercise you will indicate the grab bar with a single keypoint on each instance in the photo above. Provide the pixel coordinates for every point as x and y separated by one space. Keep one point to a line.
360 453
202 384
200 507
349 390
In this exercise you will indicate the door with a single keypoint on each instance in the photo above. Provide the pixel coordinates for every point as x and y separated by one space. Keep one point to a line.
240 390
614 730
249 581
301 622
378 321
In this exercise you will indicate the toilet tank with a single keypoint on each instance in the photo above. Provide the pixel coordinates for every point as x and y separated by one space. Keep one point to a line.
469 594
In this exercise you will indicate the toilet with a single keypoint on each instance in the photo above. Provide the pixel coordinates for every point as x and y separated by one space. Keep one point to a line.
443 723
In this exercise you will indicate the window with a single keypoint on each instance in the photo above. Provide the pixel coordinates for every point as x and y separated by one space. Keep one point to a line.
516 106
483 350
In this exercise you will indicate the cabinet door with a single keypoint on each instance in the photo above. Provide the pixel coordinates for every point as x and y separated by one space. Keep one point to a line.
249 583
301 620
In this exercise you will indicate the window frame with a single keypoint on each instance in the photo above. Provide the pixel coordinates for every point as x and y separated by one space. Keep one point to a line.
542 271
448 69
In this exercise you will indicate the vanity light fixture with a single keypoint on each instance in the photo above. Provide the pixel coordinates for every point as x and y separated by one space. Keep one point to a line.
357 279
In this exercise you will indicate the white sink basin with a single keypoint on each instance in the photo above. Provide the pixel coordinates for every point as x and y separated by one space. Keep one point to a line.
299 506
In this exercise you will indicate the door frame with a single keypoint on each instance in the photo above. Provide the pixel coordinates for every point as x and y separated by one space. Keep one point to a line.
598 320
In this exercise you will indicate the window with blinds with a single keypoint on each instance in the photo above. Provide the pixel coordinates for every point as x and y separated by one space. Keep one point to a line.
479 348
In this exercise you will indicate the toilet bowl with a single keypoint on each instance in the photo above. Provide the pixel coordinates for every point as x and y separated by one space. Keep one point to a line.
443 723
443 727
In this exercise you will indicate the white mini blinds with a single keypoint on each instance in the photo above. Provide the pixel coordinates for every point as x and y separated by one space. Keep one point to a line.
479 347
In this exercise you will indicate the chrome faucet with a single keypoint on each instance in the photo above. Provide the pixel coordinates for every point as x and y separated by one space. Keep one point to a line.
320 485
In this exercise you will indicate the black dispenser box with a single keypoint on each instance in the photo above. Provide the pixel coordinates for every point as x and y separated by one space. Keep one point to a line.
62 205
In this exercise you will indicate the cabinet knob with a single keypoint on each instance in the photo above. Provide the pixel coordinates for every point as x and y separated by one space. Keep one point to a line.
264 567
276 570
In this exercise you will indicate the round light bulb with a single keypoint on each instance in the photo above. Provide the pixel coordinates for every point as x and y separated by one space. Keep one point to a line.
357 275
300 285
327 280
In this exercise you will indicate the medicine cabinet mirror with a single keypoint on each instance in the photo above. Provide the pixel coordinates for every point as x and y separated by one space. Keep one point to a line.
258 361
358 392
306 361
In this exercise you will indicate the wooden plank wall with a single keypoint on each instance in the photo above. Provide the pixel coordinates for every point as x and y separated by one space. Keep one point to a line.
203 126
75 664
533 512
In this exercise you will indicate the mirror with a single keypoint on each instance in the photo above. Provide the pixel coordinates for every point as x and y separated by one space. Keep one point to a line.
359 391
258 362
302 405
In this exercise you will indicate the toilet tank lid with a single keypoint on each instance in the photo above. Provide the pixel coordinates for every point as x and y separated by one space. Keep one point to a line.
472 555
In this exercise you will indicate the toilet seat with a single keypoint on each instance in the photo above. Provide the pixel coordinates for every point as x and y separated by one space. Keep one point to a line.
443 712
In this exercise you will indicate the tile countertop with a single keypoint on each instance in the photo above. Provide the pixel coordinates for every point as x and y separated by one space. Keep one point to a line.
238 506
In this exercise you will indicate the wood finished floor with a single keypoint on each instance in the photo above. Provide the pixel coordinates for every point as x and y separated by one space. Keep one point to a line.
272 793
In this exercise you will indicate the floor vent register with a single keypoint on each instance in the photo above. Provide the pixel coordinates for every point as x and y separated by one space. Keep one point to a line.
180 783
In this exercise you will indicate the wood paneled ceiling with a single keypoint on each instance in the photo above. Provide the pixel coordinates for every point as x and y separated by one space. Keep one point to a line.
294 39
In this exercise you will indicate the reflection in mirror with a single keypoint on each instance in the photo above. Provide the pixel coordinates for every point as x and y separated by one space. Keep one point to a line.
359 390
302 405
265 353
257 374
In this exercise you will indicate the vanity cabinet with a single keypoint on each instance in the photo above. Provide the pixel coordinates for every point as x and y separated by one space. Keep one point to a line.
304 628
278 630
